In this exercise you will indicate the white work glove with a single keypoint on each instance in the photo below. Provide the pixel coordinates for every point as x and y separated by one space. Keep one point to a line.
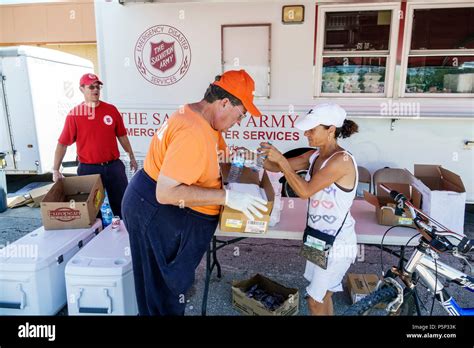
57 175
245 203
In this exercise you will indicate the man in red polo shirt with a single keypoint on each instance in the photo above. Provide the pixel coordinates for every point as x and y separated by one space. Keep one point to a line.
95 126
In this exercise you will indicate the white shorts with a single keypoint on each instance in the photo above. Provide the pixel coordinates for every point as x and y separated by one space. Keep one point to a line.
341 256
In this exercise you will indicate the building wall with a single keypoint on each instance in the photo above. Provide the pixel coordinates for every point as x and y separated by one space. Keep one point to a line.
87 51
67 26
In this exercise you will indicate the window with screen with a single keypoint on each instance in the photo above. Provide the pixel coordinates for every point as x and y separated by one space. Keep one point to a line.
441 55
355 52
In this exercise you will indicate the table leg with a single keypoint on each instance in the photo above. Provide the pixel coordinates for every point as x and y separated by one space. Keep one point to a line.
417 303
214 256
402 257
206 281
212 251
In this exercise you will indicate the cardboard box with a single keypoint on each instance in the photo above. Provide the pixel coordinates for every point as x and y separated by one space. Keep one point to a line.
361 285
33 198
72 203
443 195
18 201
385 205
235 221
38 194
250 306
371 280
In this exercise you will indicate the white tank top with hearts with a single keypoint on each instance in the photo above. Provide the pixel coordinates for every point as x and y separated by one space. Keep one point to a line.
329 206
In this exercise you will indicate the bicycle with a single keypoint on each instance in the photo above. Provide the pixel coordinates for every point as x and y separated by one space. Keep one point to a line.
422 265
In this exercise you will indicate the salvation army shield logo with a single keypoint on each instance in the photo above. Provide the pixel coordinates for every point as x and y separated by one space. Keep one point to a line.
68 88
162 55
108 120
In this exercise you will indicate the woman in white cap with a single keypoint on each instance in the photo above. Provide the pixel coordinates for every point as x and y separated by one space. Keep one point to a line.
330 186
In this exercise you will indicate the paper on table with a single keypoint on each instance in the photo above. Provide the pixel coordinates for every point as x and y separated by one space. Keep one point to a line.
251 189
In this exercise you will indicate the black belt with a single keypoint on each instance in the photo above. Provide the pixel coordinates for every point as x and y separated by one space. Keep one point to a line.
102 163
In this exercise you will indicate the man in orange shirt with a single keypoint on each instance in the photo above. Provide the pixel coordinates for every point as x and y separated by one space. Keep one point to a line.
171 207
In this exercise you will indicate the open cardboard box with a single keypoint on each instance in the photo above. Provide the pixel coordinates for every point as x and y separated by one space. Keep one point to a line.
250 306
235 221
32 198
443 195
72 202
361 285
385 205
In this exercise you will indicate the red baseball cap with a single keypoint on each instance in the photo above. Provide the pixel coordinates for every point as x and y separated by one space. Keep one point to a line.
89 79
240 85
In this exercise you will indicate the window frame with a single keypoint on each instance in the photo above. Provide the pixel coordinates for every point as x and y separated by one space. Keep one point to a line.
407 52
250 25
390 54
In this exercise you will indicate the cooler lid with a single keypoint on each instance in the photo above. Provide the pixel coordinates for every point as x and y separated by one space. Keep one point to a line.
41 248
108 254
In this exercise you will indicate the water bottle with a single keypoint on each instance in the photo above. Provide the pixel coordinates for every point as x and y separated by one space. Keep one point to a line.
237 166
257 163
106 212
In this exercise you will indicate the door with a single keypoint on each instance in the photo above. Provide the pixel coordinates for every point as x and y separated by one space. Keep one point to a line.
6 136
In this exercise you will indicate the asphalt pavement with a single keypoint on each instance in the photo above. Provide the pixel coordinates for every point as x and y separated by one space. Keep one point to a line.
275 259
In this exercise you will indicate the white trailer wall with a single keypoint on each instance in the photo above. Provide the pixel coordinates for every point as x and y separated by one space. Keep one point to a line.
41 87
145 105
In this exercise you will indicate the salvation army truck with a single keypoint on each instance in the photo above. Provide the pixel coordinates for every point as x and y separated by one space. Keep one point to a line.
38 87
403 70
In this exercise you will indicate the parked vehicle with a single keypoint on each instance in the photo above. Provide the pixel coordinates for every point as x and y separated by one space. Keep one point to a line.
38 87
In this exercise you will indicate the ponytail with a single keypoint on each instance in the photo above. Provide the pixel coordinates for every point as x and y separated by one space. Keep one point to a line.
348 128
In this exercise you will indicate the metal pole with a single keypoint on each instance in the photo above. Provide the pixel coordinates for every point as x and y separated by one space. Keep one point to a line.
3 183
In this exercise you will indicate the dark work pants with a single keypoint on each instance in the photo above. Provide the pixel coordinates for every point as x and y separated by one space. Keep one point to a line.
113 178
167 243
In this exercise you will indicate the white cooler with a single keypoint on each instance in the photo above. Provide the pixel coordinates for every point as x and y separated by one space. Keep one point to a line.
99 278
32 270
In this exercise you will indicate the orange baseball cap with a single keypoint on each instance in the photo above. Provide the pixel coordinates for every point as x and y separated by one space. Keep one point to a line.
240 85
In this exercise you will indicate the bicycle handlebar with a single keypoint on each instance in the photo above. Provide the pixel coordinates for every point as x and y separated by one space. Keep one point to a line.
396 196
464 246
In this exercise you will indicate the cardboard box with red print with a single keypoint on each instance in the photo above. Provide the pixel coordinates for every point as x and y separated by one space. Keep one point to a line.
72 203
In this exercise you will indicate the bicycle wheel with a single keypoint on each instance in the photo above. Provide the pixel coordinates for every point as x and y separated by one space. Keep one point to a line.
366 306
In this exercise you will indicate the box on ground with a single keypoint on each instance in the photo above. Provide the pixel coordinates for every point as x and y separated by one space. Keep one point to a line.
385 206
32 270
72 202
99 278
250 306
443 195
32 198
235 221
361 285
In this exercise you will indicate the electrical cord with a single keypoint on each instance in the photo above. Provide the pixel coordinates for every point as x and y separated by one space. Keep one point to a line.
383 238
406 245
402 256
